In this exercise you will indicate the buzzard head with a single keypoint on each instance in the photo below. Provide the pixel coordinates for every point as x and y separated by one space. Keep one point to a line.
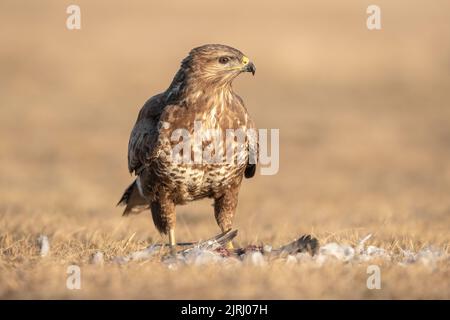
217 64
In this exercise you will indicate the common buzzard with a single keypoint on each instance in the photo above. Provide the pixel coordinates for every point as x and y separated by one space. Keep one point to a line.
200 93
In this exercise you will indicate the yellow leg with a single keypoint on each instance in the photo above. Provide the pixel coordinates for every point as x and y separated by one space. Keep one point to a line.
229 245
172 241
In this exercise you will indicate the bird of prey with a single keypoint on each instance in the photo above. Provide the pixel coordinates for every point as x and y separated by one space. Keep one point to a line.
201 92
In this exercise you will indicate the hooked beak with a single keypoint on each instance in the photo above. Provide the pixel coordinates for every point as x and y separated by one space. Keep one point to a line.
250 67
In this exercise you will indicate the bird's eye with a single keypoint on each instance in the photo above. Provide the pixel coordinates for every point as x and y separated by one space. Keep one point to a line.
224 60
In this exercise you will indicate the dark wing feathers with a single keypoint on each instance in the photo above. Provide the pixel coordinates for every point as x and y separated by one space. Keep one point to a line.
144 134
253 149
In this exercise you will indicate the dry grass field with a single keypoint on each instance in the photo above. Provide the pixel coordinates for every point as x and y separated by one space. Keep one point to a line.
364 119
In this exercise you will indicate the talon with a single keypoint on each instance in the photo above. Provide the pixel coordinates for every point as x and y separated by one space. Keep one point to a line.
229 246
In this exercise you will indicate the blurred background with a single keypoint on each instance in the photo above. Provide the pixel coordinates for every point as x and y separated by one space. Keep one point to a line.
364 116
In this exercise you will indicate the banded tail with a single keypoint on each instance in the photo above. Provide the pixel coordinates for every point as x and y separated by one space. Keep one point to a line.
133 200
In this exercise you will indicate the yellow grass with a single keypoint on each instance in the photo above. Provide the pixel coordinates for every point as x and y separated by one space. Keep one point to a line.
364 123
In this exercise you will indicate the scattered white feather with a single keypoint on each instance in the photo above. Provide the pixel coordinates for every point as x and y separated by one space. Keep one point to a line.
97 258
291 260
428 256
303 257
255 258
409 257
44 245
145 254
172 266
231 262
174 262
375 251
360 247
121 260
200 257
267 248
341 252
206 254
140 255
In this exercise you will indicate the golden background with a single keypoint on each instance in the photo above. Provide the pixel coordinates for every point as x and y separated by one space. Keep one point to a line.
364 119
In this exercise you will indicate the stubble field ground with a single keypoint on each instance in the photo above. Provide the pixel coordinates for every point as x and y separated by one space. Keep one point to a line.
364 123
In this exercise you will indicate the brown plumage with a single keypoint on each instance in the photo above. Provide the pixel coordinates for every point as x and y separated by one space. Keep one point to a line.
200 91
